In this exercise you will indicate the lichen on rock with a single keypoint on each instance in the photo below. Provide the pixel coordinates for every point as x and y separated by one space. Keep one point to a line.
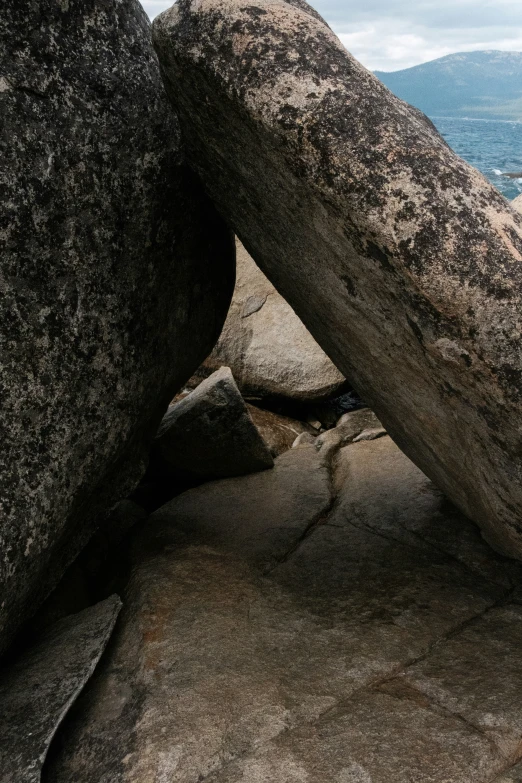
401 259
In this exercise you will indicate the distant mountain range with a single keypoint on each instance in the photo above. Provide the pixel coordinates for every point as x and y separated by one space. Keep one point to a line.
467 84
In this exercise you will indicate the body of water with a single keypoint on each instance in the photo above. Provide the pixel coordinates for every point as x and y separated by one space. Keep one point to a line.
492 146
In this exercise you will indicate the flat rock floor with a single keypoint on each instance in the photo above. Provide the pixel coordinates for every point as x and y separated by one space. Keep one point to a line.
333 620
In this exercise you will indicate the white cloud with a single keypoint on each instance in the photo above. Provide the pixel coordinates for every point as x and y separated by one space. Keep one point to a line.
155 7
381 47
389 35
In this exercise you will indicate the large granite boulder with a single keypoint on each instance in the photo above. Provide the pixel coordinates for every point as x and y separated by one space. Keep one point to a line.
517 203
116 277
401 259
268 348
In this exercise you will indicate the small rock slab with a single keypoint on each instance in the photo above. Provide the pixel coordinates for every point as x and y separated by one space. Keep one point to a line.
37 691
210 434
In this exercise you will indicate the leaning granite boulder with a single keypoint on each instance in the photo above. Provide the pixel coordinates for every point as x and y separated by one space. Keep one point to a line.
116 278
268 348
517 203
37 691
209 434
402 260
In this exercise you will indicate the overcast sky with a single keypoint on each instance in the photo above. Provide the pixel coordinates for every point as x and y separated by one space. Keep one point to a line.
389 35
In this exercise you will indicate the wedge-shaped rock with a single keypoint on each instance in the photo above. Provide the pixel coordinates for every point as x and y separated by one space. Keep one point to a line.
268 348
210 434
401 259
37 691
517 203
116 277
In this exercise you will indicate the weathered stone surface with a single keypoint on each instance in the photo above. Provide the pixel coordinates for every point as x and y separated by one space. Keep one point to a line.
379 739
37 691
517 203
513 775
408 509
352 427
210 434
260 516
197 670
267 347
401 259
267 621
116 277
278 432
478 675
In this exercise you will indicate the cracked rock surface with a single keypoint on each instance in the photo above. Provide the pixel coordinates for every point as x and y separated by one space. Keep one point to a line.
333 619
116 274
268 348
401 259
37 691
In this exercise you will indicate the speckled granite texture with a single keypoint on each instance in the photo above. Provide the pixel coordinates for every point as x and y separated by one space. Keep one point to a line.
401 259
116 275
37 691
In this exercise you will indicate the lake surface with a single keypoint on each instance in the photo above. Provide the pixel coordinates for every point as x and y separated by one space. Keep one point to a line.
492 146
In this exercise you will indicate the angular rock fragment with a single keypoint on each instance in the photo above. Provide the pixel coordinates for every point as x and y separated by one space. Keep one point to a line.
304 439
37 691
329 411
517 203
267 347
210 434
359 425
401 259
116 278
